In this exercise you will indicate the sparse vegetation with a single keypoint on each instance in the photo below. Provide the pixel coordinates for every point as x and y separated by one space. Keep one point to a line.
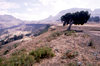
70 54
42 53
59 33
15 45
18 52
54 35
72 64
85 35
1 60
69 33
6 51
89 64
90 43
22 60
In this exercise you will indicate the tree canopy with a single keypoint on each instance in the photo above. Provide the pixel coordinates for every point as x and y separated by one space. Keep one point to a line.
76 18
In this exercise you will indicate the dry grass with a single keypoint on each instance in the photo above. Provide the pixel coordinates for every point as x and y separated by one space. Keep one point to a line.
60 42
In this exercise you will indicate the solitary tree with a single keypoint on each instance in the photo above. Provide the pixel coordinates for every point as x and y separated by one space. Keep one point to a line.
77 18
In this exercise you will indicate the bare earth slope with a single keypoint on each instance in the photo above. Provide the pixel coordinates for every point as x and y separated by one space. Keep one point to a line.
75 42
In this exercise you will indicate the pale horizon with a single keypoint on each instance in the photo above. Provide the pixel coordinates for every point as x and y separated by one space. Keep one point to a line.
41 9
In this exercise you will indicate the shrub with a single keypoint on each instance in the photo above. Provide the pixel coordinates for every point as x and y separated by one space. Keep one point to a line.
15 45
42 53
6 51
19 52
69 33
23 60
72 64
1 60
54 35
89 64
58 33
90 43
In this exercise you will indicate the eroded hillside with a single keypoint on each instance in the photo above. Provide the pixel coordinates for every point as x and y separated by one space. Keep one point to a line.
70 48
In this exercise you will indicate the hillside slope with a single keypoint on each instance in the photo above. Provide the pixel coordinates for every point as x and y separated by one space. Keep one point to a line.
70 48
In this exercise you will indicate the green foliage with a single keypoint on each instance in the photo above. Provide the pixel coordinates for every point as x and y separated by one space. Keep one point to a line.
19 52
6 51
89 64
19 58
90 43
22 60
77 18
69 33
15 45
42 53
54 35
72 64
1 60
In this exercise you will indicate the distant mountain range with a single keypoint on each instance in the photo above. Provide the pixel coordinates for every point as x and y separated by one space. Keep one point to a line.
13 26
56 18
8 21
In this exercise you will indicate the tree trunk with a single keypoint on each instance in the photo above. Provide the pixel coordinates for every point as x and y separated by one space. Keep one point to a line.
69 27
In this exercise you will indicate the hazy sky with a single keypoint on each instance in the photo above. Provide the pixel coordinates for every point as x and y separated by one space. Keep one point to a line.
40 9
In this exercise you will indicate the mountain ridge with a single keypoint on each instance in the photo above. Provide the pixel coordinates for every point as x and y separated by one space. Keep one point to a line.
52 19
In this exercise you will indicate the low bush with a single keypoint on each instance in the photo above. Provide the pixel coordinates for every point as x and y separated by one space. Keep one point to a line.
42 53
20 58
90 43
23 60
69 33
5 52
72 64
15 45
1 60
54 35
19 52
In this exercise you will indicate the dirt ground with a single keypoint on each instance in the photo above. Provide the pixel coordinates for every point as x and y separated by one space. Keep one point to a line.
61 44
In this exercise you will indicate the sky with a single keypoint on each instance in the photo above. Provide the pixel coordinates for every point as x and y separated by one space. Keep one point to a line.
41 9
